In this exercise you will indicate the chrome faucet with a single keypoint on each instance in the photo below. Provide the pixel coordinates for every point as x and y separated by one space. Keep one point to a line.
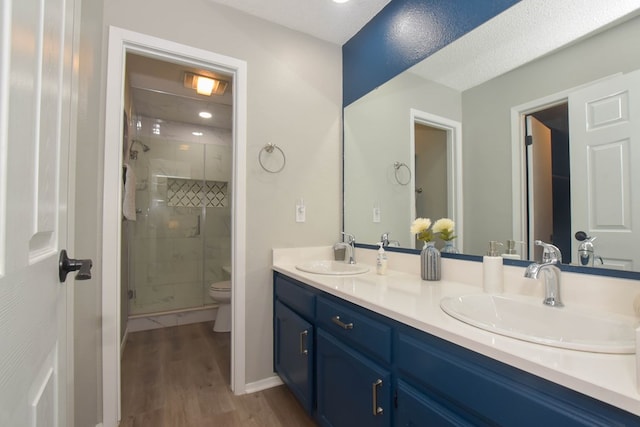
351 245
384 239
586 251
551 256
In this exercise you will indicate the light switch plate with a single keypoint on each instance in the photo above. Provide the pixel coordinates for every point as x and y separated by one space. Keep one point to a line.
376 214
301 213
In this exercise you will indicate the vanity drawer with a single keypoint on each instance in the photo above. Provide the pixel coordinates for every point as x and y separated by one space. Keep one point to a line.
491 390
355 327
295 296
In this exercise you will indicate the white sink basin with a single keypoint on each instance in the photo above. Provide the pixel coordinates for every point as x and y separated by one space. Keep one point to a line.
526 318
336 268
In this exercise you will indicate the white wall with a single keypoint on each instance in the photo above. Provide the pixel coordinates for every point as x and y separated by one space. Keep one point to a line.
377 134
294 100
487 127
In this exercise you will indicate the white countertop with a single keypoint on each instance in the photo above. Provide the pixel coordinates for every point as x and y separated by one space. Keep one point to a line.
404 297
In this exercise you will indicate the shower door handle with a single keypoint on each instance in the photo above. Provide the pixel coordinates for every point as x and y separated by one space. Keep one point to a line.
66 265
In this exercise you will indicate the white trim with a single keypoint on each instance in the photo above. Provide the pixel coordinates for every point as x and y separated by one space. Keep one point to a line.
71 208
263 384
454 163
238 240
120 42
5 62
518 155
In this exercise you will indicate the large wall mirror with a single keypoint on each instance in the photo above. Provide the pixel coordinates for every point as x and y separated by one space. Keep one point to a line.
579 102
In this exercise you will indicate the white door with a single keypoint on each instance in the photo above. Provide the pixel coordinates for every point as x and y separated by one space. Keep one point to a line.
540 186
35 115
604 124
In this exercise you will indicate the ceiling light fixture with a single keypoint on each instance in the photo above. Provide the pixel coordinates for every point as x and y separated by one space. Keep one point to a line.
340 1
205 114
204 85
197 133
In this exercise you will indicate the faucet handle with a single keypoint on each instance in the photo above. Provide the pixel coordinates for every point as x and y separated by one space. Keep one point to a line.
550 252
350 237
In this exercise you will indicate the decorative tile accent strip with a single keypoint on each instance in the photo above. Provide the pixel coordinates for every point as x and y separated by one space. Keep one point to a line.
191 193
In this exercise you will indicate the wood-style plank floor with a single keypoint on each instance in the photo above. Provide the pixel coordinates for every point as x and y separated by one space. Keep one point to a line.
179 376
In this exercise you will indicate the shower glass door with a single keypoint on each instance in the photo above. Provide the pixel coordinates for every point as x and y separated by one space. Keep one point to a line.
181 240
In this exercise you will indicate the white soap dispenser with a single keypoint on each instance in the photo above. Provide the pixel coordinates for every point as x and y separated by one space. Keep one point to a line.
381 261
492 274
511 251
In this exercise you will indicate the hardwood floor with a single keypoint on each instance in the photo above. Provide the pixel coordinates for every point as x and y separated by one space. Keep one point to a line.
180 376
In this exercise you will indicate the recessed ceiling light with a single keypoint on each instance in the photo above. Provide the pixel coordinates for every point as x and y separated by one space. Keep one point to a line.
340 1
197 133
205 114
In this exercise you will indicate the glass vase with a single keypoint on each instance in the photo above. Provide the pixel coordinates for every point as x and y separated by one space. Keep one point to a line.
430 262
449 248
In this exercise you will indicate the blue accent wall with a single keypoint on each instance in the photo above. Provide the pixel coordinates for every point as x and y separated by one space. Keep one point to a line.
404 33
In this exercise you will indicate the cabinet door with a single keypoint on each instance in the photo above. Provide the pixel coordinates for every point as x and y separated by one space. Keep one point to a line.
351 389
294 353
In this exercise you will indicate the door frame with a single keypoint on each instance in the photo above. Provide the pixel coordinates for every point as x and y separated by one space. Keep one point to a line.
519 154
519 187
122 41
454 166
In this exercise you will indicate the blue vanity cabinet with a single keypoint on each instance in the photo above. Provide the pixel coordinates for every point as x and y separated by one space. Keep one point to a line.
369 370
353 386
294 352
471 389
294 339
416 408
351 389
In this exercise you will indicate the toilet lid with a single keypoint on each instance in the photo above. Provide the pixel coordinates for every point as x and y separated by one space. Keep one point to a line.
221 286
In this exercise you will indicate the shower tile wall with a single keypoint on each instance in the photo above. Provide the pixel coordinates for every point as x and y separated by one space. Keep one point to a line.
178 249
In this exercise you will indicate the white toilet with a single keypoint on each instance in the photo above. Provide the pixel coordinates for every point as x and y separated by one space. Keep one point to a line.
220 292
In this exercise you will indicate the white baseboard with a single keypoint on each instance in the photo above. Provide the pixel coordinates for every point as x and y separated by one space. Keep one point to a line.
263 384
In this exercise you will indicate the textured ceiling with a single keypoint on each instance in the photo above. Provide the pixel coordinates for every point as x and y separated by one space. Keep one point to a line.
324 19
526 31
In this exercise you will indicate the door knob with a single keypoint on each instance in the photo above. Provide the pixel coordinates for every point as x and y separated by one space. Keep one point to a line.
67 265
581 235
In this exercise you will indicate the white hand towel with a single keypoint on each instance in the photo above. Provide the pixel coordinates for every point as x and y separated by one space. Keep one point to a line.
129 199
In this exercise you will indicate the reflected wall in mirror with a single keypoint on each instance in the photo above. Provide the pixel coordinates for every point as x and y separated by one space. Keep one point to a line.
495 200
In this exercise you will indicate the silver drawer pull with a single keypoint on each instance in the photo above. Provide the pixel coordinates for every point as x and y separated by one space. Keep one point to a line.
303 335
337 321
374 392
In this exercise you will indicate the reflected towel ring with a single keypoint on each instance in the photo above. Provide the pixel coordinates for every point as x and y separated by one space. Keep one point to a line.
269 148
397 166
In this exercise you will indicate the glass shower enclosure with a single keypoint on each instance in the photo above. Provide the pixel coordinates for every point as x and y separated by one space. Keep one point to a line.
180 242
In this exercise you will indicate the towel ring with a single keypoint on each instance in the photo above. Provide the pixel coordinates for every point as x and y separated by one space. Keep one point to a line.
269 149
397 166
